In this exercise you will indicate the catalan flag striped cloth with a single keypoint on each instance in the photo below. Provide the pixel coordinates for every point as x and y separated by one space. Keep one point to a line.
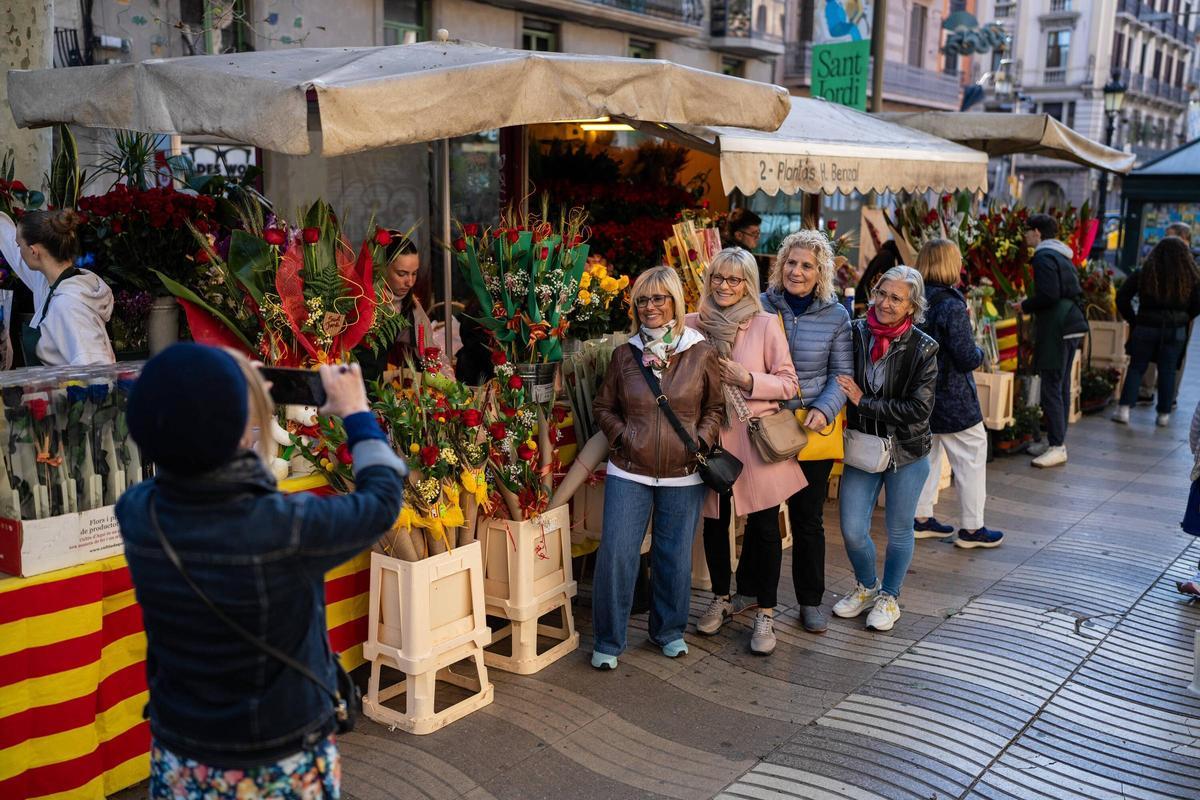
73 675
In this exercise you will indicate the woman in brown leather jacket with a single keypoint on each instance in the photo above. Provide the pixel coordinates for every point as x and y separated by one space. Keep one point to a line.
650 468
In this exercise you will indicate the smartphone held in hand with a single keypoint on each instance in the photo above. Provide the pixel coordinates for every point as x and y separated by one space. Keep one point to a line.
294 387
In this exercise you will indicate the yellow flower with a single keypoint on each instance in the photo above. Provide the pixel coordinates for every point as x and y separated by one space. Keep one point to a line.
623 281
600 271
609 285
414 448
585 296
585 280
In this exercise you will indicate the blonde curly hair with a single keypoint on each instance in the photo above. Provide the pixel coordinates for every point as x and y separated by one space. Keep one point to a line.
816 243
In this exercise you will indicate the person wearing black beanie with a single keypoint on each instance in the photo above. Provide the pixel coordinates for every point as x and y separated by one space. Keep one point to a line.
211 527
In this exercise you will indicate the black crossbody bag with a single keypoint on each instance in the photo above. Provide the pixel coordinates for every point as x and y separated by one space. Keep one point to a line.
347 700
718 468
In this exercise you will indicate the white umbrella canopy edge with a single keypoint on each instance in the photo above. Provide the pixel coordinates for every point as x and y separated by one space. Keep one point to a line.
375 97
1001 134
825 148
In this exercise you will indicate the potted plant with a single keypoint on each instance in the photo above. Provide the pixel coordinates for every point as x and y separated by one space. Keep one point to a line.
1097 387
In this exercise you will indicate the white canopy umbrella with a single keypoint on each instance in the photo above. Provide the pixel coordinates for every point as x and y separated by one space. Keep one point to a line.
823 147
1003 134
373 97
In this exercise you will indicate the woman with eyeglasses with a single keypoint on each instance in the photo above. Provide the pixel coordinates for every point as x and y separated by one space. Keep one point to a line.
650 469
891 400
757 371
817 326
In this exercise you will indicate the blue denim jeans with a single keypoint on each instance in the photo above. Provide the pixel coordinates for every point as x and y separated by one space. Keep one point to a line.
627 509
1163 346
858 492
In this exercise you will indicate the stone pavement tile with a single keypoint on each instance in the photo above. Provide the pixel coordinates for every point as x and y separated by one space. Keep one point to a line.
552 775
975 696
385 766
1053 734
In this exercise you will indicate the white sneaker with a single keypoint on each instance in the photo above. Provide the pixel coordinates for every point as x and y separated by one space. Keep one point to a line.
884 615
1053 457
856 602
714 616
1121 415
1163 420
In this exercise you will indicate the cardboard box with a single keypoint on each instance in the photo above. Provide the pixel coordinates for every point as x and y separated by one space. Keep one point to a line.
33 546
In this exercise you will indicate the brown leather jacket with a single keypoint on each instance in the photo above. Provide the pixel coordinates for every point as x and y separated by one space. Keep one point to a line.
642 441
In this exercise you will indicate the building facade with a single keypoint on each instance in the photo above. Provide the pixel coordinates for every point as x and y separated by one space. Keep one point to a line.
1063 52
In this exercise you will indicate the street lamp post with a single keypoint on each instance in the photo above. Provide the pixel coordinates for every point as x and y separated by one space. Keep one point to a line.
1114 97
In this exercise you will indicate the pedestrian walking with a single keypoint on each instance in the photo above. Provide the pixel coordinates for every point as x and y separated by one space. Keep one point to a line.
1191 514
1159 301
801 292
890 397
72 305
650 469
245 695
1060 327
957 420
757 372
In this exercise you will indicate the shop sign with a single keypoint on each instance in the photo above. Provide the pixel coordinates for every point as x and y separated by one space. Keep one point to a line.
229 160
805 171
840 73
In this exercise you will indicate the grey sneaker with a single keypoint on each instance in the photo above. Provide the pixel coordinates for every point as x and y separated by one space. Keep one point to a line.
762 639
813 620
714 616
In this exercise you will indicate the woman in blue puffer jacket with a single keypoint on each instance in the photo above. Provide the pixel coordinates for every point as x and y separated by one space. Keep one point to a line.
801 292
957 422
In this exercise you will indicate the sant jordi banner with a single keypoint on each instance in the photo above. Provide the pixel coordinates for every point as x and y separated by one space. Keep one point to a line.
840 73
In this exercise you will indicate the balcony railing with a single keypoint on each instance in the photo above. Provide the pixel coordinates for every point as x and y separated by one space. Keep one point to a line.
689 12
1060 5
749 26
1054 76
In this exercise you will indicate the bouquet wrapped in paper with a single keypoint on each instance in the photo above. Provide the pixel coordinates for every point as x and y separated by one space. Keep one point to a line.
688 252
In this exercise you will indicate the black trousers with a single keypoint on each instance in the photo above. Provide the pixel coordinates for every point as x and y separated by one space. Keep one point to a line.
1056 394
761 559
806 512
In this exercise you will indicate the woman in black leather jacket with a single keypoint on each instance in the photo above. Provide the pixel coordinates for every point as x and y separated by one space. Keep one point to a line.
890 397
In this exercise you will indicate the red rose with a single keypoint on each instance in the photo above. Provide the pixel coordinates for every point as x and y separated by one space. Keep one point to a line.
508 411
832 225
17 186
515 382
692 254
513 236
433 353
202 257
545 253
559 413
497 430
383 237
343 454
471 229
498 358
311 235
704 204
472 418
946 201
526 453
117 226
460 244
441 417
429 455
275 236
38 407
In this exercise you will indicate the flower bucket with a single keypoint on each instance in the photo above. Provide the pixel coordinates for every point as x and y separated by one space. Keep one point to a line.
163 326
538 380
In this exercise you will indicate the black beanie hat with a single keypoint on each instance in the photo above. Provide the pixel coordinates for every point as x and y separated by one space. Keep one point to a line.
188 408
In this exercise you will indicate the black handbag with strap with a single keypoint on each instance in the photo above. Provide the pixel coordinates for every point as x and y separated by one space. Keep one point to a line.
718 468
347 700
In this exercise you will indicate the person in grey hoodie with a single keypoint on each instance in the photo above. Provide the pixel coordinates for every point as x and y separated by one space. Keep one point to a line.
1060 327
71 305
801 292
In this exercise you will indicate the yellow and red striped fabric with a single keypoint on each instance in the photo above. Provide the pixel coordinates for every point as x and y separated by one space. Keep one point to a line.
73 676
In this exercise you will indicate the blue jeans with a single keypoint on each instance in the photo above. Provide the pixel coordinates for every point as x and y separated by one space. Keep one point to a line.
1164 346
627 509
858 492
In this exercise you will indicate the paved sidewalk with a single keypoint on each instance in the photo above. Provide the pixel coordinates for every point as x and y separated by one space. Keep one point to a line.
1052 667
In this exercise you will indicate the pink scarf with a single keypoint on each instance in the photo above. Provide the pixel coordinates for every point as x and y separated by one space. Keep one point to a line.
884 335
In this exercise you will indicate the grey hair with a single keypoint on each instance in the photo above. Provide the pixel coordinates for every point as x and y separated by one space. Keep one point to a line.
916 288
743 261
816 243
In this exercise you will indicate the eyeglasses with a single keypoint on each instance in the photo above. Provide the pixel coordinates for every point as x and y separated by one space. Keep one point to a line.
880 296
652 300
731 282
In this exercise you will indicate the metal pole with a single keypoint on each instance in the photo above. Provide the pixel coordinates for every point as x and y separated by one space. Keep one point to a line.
447 275
1101 244
878 50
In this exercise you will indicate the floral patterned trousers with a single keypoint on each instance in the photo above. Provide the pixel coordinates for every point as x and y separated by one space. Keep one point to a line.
314 774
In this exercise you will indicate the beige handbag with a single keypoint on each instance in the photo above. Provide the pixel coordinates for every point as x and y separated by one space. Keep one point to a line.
777 437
